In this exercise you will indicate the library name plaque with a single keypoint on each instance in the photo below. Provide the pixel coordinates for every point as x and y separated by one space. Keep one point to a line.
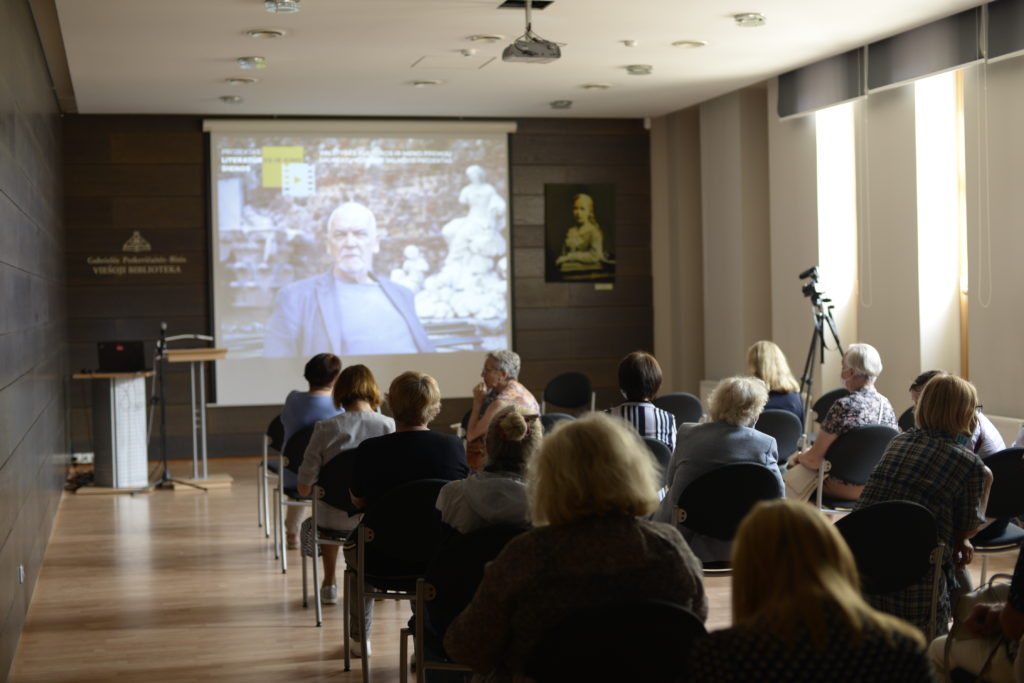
130 264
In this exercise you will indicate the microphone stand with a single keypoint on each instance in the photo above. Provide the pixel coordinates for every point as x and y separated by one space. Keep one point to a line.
165 480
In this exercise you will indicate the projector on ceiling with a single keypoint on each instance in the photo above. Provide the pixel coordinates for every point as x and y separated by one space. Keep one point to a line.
533 49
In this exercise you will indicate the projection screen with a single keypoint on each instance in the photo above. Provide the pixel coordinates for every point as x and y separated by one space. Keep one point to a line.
384 242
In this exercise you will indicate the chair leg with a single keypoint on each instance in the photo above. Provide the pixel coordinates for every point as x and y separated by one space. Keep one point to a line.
403 656
346 595
305 580
420 637
259 495
984 567
277 522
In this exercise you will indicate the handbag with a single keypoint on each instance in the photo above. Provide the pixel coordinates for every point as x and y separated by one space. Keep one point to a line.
801 483
994 592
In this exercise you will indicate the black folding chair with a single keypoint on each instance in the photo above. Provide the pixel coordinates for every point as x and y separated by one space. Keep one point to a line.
641 640
549 420
895 544
287 484
785 427
662 456
825 402
272 439
1005 501
851 457
569 390
716 503
906 420
685 407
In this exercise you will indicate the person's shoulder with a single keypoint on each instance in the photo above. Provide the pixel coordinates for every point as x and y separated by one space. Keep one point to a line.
304 286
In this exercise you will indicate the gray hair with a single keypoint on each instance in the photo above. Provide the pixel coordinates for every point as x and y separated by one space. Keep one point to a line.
864 360
505 360
738 400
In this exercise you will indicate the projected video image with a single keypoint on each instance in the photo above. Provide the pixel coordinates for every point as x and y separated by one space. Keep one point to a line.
361 246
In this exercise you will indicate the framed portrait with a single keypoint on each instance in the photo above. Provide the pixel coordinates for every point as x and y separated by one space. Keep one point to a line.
579 232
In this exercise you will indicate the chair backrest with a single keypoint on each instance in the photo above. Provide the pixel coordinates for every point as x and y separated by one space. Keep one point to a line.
641 640
569 390
892 543
295 449
906 420
784 426
661 454
716 503
405 528
457 569
275 432
854 454
1007 496
686 407
549 420
825 402
334 481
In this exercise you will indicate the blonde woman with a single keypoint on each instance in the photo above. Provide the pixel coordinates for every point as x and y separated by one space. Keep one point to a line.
815 626
590 483
766 361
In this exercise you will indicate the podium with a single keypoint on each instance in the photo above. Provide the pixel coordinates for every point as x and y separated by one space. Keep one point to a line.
118 428
195 358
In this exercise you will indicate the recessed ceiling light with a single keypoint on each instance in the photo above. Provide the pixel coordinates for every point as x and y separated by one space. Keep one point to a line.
241 81
265 33
561 104
639 69
424 83
485 38
231 99
283 6
690 43
629 43
596 86
252 62
750 19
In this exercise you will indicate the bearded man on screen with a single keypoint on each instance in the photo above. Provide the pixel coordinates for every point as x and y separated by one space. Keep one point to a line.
349 310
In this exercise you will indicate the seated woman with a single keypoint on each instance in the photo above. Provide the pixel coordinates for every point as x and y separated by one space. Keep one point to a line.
766 361
499 387
863 406
357 392
304 408
498 494
728 439
985 440
639 381
815 626
932 465
592 480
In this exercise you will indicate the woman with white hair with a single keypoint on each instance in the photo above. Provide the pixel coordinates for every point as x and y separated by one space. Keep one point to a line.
862 406
499 387
729 438
591 483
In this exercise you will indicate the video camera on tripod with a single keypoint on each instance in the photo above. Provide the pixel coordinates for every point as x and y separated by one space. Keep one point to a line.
823 322
812 290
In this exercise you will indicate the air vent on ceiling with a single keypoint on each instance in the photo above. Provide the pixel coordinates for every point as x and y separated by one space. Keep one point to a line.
521 4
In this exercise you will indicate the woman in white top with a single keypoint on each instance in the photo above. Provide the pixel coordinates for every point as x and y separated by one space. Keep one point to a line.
356 390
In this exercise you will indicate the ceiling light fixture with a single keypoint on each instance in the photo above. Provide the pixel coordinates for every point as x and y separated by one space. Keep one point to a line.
629 43
283 6
690 43
241 80
750 19
596 86
639 69
265 33
561 104
252 62
485 38
231 99
424 83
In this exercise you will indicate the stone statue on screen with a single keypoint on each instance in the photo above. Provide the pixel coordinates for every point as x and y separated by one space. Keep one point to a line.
584 242
472 282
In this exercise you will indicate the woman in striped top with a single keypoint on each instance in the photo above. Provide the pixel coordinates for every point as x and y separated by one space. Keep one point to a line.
639 381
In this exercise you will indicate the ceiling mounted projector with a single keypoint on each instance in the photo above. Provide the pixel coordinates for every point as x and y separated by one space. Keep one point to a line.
530 47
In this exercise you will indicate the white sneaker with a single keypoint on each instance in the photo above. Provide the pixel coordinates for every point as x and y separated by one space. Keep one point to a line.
355 648
329 595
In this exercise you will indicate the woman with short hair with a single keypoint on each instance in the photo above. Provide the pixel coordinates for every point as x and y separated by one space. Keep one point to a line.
814 626
729 438
499 387
639 381
933 466
862 406
766 361
591 481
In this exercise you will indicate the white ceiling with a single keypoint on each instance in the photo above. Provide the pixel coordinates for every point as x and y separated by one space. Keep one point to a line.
357 57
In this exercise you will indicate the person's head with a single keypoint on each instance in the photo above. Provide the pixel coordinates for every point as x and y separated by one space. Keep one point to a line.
639 376
322 371
766 361
352 240
793 539
500 367
356 383
918 384
582 208
738 401
512 437
861 365
948 404
414 399
591 467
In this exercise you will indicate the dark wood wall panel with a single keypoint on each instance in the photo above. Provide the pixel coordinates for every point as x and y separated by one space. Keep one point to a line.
33 332
147 173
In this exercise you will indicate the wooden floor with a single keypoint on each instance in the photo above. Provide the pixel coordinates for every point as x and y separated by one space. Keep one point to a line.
182 586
